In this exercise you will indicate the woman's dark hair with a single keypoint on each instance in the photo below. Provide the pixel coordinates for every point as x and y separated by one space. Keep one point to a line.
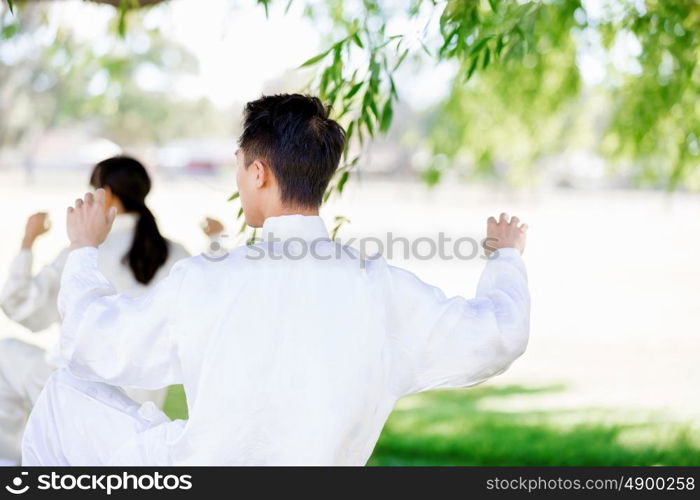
128 180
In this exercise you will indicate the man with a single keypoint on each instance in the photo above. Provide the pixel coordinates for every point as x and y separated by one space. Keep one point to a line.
290 351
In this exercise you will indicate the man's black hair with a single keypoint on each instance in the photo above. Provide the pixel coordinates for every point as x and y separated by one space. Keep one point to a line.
297 139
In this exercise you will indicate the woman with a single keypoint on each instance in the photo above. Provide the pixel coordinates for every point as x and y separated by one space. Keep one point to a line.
133 258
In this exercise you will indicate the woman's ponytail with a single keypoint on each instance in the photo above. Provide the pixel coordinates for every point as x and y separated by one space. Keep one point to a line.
128 180
149 250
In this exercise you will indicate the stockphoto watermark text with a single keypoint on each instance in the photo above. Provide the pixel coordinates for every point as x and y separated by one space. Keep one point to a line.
440 246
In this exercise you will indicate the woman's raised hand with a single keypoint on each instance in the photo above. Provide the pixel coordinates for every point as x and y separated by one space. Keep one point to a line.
212 227
37 224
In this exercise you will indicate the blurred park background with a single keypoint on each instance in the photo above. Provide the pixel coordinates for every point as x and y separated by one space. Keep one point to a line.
580 116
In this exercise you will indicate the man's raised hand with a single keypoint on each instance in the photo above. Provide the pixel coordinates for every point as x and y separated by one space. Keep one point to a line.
89 221
506 232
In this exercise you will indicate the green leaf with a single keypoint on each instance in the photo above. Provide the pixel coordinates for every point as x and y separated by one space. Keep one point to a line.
353 90
316 58
323 84
124 7
334 233
431 176
348 132
392 88
253 236
121 22
343 179
425 48
400 60
480 44
487 58
358 42
339 222
499 45
11 6
373 107
387 116
9 31
266 6
234 196
448 40
333 93
519 31
472 68
327 194
368 124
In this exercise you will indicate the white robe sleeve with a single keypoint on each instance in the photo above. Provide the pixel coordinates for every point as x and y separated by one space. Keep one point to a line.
445 342
177 253
117 339
31 300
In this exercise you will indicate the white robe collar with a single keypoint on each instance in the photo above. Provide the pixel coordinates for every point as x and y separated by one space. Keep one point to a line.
285 227
125 222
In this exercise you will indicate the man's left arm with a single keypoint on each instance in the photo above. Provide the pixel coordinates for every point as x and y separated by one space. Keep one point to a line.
442 342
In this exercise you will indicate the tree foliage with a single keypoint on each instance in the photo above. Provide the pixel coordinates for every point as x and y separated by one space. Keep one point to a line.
62 81
518 87
656 109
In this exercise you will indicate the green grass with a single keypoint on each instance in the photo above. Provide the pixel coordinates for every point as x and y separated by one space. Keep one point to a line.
175 403
461 427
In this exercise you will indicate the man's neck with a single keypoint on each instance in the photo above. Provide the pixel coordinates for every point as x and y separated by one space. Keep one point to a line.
287 210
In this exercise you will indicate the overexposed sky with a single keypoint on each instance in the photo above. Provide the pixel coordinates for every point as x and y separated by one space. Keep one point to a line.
239 50
236 47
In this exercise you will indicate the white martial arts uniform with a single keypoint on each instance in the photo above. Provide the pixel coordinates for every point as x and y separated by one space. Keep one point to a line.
31 301
284 359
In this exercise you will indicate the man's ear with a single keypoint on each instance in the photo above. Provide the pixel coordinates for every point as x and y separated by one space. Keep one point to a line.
262 172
